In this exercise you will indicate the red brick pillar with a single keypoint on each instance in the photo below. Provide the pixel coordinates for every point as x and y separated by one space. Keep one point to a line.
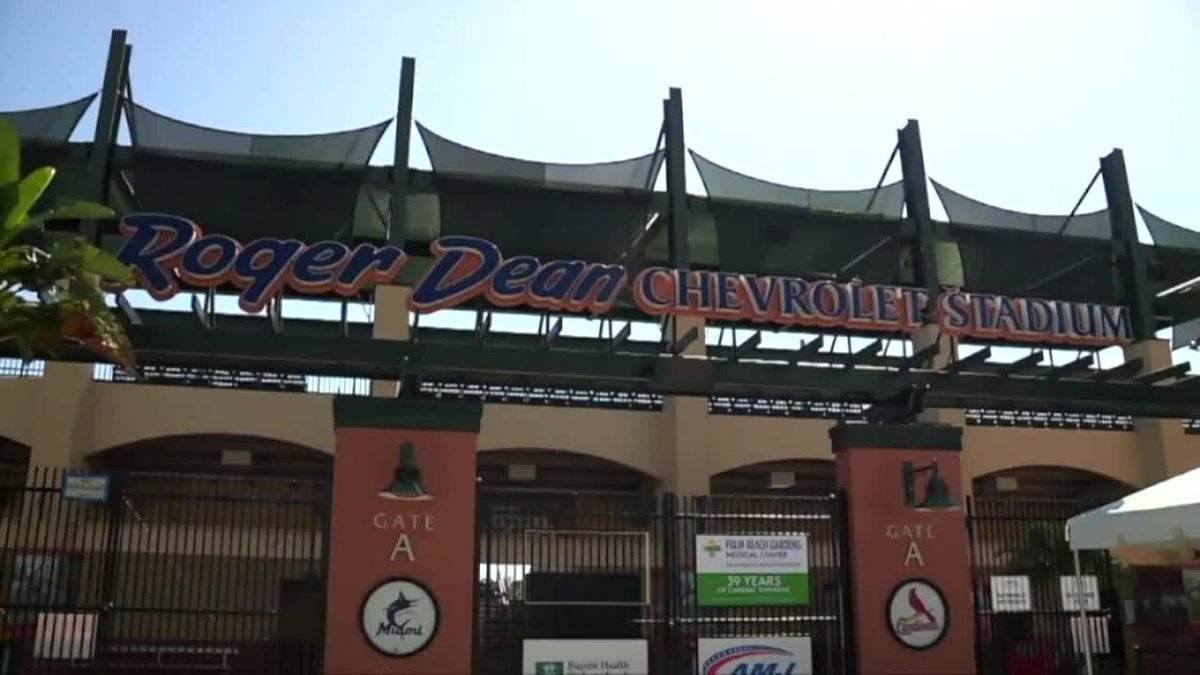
910 568
402 542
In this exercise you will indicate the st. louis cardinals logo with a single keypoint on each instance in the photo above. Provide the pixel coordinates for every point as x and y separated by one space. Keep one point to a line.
920 620
917 614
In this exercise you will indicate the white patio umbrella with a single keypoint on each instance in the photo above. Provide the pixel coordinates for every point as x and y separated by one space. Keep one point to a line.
1163 516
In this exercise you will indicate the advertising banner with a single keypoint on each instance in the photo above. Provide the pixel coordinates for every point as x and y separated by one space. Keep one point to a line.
734 571
585 657
734 656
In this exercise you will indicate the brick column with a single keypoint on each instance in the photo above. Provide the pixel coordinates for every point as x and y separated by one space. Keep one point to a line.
910 569
402 538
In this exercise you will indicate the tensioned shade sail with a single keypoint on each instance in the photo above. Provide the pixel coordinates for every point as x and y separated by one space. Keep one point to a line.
547 224
1177 249
1166 233
1025 264
961 209
456 160
156 132
767 239
1164 515
723 183
251 185
53 124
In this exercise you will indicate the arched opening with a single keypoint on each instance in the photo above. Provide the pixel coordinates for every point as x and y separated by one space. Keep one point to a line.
218 455
789 477
555 513
1020 557
535 469
14 455
1085 489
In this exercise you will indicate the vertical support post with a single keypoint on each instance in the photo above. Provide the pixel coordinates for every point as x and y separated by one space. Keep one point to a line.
112 556
108 119
677 226
1132 263
397 225
397 231
916 199
849 648
325 517
1084 628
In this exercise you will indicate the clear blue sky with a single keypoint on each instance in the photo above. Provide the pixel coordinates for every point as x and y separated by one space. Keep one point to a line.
1017 100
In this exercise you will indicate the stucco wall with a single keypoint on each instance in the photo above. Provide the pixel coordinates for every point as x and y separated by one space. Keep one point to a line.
626 437
1108 453
123 413
93 416
17 409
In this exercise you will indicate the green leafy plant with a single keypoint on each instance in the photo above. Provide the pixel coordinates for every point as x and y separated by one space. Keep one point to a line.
52 286
1045 555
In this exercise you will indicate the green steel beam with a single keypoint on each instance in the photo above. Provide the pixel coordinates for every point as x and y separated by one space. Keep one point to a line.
397 225
1180 306
1132 259
108 118
916 201
677 224
387 359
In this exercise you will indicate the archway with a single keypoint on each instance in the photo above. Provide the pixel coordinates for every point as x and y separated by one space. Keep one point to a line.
541 469
218 455
1079 488
14 455
789 477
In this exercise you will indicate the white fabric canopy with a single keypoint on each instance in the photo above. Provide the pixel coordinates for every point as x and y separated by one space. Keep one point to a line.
1164 515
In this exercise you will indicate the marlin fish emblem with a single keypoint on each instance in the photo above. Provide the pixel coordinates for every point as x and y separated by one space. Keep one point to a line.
400 604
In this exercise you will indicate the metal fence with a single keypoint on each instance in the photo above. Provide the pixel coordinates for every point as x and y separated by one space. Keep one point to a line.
1023 572
562 565
172 572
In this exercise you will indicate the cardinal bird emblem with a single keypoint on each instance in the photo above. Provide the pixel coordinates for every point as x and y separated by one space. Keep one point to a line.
919 609
921 620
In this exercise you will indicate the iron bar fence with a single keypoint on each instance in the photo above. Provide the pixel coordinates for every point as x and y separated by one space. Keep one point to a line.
604 565
172 572
1034 624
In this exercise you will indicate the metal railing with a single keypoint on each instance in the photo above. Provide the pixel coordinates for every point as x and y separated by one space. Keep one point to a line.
219 378
167 573
566 565
575 397
1024 538
20 368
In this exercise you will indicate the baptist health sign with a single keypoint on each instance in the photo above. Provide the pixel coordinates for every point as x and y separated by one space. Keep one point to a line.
585 657
751 571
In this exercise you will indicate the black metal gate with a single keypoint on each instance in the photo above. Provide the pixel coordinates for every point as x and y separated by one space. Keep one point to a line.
173 573
1030 626
623 566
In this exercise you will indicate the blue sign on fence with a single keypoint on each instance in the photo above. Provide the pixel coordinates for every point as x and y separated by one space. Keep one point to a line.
85 486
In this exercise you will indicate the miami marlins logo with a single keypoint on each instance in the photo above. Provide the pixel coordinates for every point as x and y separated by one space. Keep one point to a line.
399 615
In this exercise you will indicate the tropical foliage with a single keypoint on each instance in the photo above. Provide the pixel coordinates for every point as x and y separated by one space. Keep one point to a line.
52 285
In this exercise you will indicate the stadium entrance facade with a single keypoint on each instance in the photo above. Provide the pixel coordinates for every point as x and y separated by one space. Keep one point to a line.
587 425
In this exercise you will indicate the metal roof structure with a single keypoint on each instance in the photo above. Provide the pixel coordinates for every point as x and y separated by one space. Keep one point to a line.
321 187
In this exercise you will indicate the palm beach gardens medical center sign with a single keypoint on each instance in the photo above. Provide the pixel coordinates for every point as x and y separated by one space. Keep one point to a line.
166 251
